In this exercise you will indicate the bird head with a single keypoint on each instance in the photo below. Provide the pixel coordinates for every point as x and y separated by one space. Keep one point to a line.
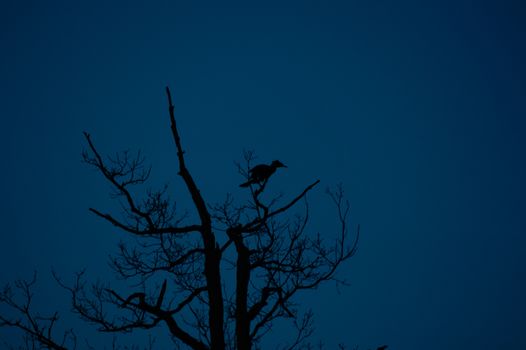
277 164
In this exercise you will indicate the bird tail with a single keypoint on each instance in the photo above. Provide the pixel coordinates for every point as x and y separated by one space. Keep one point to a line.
245 184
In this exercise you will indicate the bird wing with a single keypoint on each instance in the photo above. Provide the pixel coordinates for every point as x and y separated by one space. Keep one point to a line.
258 168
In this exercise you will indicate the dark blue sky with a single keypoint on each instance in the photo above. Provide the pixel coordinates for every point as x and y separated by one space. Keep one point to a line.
417 107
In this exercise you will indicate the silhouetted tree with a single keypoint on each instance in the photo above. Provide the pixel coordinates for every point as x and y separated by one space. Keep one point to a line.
217 283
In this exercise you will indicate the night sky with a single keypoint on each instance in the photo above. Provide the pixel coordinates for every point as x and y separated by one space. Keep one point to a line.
417 107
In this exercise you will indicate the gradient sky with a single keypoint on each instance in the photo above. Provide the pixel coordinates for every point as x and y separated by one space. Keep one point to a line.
417 107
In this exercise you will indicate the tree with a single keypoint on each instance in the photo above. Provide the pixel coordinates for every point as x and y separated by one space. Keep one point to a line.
178 271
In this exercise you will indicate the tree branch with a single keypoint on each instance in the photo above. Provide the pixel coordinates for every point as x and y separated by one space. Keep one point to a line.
150 231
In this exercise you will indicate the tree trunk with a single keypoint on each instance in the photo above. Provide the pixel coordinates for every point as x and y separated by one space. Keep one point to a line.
242 280
215 293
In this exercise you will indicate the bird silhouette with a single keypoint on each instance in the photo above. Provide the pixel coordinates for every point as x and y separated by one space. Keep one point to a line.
262 172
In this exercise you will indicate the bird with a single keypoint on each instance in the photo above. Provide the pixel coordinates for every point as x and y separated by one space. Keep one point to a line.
262 172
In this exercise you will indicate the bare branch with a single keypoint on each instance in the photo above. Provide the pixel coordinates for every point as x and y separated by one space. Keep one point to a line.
256 223
38 328
150 231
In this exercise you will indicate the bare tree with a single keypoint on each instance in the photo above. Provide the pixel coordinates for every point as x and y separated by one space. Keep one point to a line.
178 271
